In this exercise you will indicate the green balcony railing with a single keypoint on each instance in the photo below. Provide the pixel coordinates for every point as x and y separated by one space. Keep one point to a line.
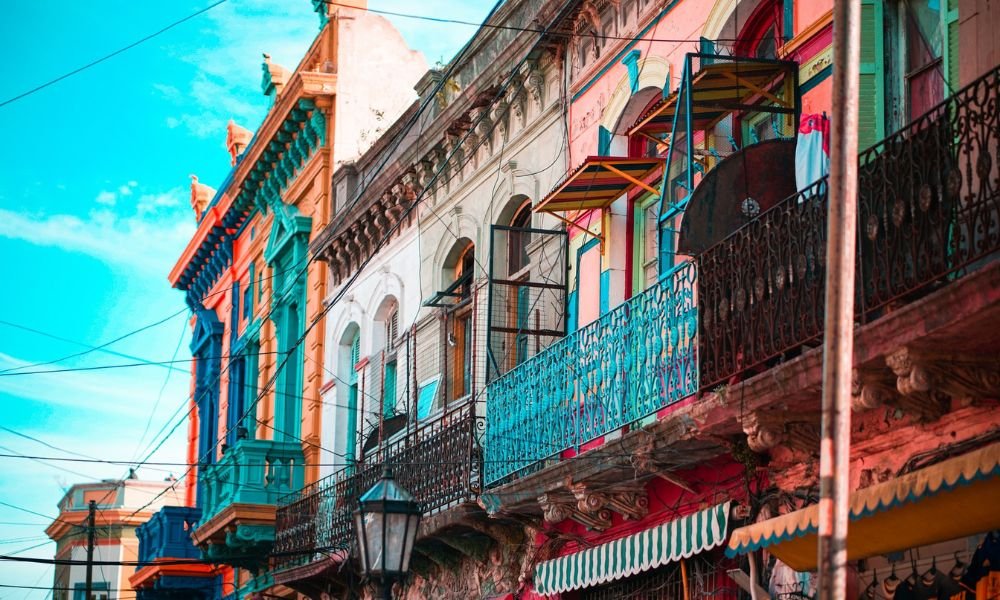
630 363
251 472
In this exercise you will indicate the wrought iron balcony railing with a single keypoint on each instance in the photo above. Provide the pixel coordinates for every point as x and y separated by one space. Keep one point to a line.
251 472
633 361
439 463
929 208
167 534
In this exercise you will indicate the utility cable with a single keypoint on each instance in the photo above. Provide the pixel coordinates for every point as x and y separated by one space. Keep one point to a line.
111 55
401 135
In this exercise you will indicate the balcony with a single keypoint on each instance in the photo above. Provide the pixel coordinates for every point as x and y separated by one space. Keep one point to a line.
629 364
239 498
166 537
928 212
439 463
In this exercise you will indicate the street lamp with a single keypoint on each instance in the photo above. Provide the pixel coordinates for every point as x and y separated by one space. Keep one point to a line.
386 525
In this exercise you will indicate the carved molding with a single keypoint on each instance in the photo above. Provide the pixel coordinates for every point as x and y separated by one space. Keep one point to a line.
558 506
796 430
960 376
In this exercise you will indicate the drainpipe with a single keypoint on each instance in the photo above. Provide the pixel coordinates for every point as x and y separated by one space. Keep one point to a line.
838 341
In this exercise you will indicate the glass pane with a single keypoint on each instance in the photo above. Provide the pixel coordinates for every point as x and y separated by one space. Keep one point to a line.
373 538
395 536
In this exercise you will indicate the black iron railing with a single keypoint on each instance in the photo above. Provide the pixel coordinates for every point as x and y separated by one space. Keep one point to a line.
440 463
929 208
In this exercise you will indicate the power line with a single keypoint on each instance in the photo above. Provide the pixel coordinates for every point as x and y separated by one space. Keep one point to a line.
594 35
400 136
122 365
111 55
91 348
38 514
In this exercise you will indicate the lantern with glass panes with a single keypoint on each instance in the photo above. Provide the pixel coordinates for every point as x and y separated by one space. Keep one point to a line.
386 525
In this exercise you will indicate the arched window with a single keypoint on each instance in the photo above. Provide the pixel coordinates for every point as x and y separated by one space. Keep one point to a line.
349 356
385 337
456 299
518 240
760 37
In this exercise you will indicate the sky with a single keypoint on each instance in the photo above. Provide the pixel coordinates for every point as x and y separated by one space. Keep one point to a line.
94 211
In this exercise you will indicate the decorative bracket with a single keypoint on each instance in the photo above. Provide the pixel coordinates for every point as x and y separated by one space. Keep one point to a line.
795 429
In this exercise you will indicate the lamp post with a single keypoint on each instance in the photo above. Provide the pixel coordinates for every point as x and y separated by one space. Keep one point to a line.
386 525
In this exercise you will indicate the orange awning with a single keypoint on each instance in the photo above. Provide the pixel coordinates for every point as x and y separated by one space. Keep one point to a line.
598 182
952 499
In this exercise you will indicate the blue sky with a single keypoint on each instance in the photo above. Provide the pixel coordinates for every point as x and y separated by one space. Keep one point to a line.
94 210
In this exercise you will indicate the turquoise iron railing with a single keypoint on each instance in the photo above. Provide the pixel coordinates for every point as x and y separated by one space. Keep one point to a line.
630 363
252 472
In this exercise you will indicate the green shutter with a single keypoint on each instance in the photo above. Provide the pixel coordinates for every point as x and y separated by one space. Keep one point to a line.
949 18
389 390
871 107
355 351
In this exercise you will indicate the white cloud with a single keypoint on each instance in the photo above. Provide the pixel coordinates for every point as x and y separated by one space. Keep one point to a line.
106 198
226 83
124 190
147 240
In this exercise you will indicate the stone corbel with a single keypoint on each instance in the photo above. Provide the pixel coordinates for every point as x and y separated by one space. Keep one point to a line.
927 380
558 507
628 500
483 125
535 84
645 462
961 376
766 430
871 388
517 97
501 117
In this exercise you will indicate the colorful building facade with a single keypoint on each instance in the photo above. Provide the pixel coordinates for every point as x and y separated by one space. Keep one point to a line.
122 509
615 364
574 294
257 301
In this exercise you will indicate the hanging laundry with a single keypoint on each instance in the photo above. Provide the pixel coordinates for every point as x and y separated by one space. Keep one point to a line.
812 150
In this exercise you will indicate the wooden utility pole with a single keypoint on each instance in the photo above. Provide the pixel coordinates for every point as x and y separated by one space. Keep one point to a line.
838 341
90 550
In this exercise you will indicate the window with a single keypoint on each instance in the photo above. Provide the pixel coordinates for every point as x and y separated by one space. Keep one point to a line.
99 591
460 336
518 241
646 269
392 327
922 45
389 390
759 36
351 379
248 294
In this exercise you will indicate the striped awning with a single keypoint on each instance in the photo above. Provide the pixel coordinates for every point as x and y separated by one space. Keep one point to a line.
952 499
636 553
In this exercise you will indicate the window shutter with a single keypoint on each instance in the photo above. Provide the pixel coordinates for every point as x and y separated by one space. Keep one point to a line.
392 328
603 141
949 18
355 351
871 107
389 390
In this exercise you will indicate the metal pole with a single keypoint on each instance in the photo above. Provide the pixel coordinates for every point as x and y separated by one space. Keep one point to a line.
838 342
90 550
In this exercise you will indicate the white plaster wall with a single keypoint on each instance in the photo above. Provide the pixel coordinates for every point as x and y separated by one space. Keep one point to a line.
529 161
394 271
101 573
138 493
378 77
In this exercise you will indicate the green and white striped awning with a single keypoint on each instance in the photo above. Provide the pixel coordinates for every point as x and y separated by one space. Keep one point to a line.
636 553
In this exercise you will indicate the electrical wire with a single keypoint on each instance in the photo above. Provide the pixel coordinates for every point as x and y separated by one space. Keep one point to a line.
98 61
523 29
399 138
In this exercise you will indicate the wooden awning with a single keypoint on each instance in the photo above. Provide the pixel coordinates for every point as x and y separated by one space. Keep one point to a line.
952 499
722 87
598 182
